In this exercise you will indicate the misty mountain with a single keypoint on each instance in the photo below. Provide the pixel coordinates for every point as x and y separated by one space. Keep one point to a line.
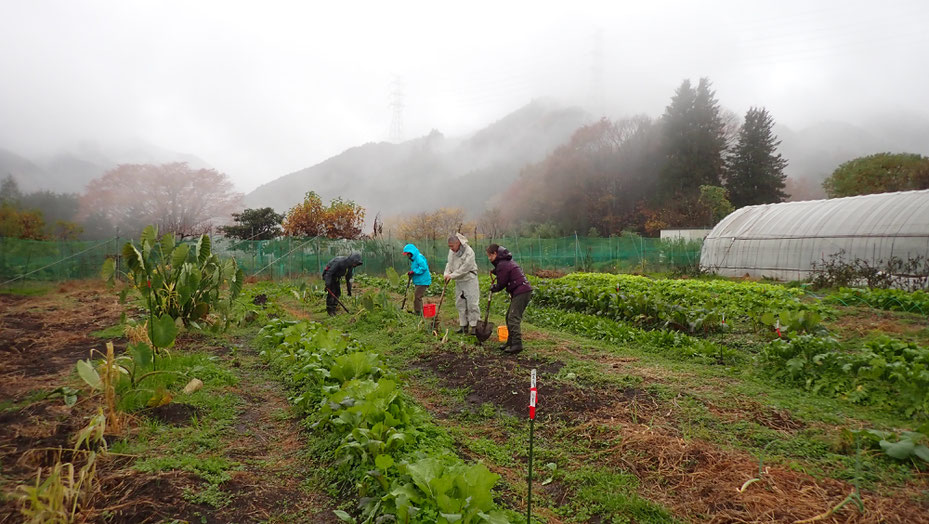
69 171
22 169
432 171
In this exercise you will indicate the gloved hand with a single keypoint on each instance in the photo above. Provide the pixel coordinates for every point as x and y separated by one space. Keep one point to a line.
447 277
410 273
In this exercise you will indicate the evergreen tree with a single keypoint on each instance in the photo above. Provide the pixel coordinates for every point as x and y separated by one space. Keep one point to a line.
9 191
756 174
254 224
694 141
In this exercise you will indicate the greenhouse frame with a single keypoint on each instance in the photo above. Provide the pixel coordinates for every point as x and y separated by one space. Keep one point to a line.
783 241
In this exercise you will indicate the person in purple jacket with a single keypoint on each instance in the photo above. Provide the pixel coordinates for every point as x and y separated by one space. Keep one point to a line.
511 278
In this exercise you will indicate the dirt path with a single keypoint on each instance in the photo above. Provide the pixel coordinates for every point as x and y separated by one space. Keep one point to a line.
42 337
270 444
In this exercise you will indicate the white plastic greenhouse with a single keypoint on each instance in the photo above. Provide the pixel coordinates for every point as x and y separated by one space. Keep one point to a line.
783 241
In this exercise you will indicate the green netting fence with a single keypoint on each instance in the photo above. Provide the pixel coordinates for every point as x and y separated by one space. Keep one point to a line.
30 260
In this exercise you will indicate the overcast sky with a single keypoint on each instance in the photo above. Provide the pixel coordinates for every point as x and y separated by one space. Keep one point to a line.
261 89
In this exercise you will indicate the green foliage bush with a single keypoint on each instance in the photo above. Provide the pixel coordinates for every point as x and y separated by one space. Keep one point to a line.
692 306
181 281
889 299
668 343
885 372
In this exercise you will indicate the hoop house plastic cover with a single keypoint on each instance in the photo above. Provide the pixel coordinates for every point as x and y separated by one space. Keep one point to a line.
784 240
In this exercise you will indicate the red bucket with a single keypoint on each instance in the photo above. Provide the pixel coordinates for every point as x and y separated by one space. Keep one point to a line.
429 310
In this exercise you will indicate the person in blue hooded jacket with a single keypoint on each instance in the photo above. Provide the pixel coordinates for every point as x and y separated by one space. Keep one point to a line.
419 272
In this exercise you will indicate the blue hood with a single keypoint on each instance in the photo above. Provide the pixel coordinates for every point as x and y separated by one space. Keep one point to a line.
419 266
410 248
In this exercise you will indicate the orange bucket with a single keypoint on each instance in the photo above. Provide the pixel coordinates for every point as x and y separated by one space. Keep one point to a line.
428 310
502 333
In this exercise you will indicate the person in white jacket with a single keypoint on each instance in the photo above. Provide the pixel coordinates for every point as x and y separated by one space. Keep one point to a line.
462 268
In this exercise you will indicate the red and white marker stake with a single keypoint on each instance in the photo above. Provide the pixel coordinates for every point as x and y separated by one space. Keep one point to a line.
533 394
777 327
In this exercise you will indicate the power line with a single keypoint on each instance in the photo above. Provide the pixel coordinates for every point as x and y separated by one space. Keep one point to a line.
596 75
396 106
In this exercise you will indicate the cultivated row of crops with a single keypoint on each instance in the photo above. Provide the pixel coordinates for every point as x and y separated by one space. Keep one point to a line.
386 448
693 306
654 313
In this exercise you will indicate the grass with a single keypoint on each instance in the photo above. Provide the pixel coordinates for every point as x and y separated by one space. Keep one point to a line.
726 404
198 447
115 331
723 402
28 289
497 438
610 496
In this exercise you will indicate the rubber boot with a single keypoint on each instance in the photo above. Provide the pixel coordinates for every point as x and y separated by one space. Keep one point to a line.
463 330
516 347
505 346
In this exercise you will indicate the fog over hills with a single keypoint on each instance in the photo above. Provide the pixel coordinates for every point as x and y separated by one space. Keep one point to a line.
434 170
68 170
816 151
437 170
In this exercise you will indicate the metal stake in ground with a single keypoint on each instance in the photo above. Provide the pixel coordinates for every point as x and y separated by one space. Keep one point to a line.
532 398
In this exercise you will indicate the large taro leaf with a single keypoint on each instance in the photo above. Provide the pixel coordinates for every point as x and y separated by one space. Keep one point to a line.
179 256
108 271
203 249
922 452
164 331
900 450
167 244
235 286
88 374
393 277
133 257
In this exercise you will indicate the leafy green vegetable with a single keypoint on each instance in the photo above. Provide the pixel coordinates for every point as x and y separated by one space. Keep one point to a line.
384 442
884 372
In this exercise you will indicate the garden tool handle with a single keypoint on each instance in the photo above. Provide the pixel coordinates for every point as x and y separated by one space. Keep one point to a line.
435 319
490 297
409 280
337 300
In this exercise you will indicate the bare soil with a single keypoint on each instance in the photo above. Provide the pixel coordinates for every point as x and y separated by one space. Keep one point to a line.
697 480
502 380
42 337
861 322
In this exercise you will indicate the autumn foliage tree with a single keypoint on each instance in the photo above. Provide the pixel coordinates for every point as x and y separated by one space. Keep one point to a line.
174 197
437 224
21 223
311 218
597 180
645 175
